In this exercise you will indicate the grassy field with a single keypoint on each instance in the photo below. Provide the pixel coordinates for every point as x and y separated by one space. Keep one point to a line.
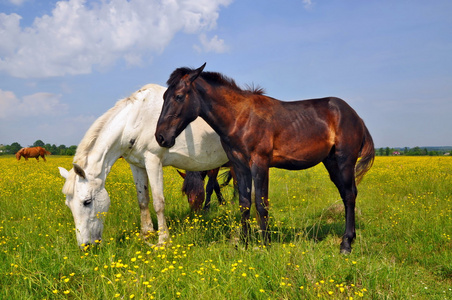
403 248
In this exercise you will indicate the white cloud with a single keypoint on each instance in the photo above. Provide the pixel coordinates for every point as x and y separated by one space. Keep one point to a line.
213 45
78 35
32 105
17 2
307 3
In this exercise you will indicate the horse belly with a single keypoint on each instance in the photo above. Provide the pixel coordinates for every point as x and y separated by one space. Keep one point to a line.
202 162
299 159
197 148
293 164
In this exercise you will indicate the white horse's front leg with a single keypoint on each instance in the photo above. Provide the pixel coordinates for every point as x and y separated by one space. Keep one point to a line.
155 174
141 184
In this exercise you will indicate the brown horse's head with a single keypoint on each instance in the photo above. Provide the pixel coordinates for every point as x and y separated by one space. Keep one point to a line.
181 106
20 153
193 187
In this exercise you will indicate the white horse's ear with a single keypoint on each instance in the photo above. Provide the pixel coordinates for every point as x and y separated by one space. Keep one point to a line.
63 172
79 171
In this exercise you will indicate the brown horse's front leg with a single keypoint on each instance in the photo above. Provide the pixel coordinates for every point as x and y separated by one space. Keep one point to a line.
260 179
44 158
244 185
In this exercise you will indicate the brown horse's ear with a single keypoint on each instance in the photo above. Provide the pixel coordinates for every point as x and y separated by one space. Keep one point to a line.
195 74
181 174
79 171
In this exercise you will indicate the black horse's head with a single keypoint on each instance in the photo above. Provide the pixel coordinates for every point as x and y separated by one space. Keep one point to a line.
181 105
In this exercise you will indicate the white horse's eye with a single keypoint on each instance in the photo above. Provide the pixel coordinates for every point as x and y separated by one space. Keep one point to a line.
87 202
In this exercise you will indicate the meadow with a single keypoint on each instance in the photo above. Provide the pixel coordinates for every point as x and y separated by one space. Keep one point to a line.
403 248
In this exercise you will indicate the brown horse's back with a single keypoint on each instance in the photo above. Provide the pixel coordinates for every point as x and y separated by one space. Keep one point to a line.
305 132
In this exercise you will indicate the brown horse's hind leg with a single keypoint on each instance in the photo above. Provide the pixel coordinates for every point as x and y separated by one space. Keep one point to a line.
244 182
260 176
343 176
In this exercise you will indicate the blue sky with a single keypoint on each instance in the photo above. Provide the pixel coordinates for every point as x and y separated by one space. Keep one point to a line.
64 63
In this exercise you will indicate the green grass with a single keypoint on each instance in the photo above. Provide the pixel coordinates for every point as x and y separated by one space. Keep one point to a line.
403 248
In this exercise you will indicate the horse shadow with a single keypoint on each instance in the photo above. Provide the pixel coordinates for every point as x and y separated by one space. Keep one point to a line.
329 222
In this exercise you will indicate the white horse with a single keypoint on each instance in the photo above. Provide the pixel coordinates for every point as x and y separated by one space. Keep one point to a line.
128 130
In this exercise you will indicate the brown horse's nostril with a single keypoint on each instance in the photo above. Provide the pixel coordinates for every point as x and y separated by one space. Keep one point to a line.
160 140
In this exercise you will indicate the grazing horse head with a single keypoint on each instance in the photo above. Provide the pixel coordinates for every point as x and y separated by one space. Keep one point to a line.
193 187
181 106
88 200
19 154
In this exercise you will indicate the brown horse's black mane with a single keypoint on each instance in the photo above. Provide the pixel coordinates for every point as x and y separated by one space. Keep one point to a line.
215 79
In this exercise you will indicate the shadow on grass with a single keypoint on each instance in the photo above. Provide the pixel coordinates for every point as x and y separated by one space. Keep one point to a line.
222 223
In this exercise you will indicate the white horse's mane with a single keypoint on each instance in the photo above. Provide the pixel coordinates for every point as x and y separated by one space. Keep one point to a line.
91 136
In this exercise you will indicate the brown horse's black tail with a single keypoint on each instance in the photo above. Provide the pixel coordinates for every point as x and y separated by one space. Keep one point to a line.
367 156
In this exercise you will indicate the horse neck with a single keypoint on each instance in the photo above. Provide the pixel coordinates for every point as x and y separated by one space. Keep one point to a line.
101 161
220 107
106 150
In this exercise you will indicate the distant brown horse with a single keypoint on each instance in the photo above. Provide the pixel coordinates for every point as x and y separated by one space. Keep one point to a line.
32 152
258 132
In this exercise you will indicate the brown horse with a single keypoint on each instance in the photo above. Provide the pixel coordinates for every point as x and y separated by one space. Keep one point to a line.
32 152
259 132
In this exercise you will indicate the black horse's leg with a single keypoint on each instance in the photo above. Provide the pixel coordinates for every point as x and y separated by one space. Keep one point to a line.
213 177
260 179
343 176
244 182
212 185
209 191
217 190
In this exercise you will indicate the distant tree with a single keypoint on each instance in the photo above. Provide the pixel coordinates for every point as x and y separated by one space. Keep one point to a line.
387 151
38 143
14 147
53 149
416 151
62 150
71 150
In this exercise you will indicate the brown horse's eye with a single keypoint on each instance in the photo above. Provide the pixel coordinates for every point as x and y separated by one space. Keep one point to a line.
179 98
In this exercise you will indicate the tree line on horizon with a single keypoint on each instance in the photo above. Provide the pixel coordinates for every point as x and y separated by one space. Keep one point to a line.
415 151
63 150
53 149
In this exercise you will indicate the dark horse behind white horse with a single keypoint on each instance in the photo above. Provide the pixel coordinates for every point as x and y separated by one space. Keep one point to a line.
260 132
124 131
